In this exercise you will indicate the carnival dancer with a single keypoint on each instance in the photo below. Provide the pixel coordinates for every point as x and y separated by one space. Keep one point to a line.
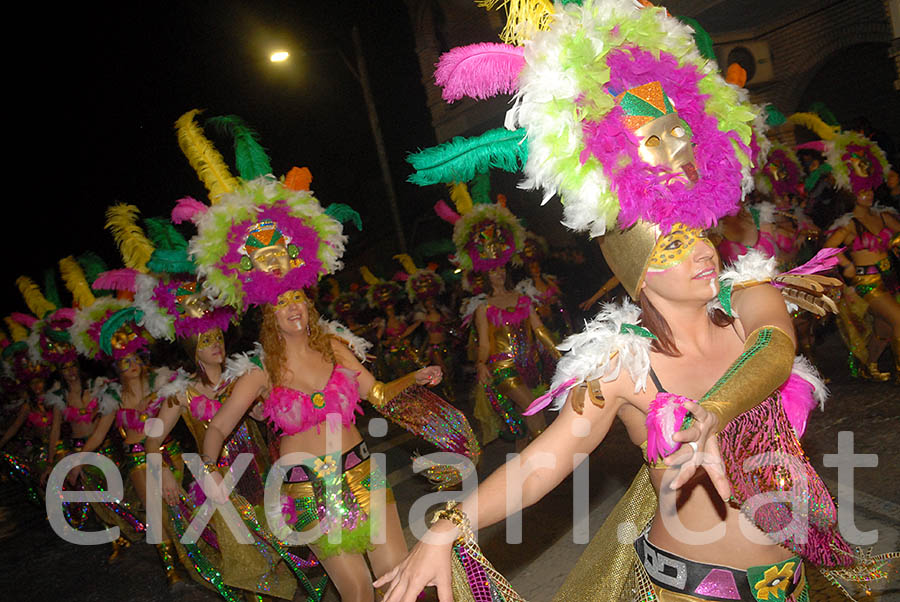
658 152
868 234
423 287
550 305
396 354
508 363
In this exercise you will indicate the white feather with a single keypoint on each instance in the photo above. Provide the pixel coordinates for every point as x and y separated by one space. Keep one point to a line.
358 345
239 364
469 305
108 394
751 266
175 382
55 397
526 287
602 350
158 322
805 370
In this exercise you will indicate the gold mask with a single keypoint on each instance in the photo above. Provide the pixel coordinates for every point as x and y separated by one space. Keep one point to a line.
289 298
674 247
128 362
664 142
271 260
777 171
210 338
190 302
861 166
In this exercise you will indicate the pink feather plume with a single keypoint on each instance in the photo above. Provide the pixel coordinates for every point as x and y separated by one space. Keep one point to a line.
116 280
818 145
445 212
823 261
23 319
798 402
187 209
479 71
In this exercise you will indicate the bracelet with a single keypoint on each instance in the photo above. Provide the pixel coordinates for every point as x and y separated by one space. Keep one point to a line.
210 467
453 512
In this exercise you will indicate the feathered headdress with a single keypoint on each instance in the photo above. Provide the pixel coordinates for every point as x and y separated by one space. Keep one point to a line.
48 339
857 162
422 283
781 173
380 293
583 74
254 214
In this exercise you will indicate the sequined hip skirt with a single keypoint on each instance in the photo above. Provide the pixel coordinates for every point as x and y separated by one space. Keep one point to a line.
334 493
676 579
876 279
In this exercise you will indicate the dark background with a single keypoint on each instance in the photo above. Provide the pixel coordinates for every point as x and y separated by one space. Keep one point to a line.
96 90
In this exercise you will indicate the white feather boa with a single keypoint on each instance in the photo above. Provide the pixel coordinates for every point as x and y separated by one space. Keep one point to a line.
171 383
603 349
55 397
358 345
239 364
108 394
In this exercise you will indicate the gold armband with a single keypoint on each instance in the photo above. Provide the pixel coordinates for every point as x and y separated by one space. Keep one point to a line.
543 335
764 366
453 512
381 393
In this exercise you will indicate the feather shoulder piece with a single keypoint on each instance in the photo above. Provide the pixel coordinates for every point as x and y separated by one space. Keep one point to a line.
174 383
239 364
469 305
612 340
358 345
108 394
55 398
526 287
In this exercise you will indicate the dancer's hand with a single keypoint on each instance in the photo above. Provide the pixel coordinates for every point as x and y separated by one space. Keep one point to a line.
72 477
170 489
428 564
429 376
700 449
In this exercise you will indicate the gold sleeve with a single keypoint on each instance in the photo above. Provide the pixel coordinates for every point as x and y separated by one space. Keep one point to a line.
381 392
764 366
543 335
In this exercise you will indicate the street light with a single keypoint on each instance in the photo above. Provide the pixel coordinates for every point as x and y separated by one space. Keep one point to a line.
360 73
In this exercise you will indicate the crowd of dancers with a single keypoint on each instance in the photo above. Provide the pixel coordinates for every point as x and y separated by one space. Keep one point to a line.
737 251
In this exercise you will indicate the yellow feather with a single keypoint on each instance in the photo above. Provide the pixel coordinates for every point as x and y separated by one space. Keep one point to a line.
204 158
813 122
407 262
334 287
368 276
75 280
134 246
523 18
459 194
16 330
34 298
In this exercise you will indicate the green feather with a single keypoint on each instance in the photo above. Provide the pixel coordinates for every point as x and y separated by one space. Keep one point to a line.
114 322
163 234
461 158
480 188
171 261
774 117
701 38
824 112
344 213
92 265
638 330
249 155
431 248
51 291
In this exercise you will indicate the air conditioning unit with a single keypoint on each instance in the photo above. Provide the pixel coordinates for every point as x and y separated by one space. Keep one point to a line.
754 56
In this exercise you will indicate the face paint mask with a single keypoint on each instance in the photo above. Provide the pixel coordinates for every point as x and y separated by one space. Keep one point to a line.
674 248
210 338
290 297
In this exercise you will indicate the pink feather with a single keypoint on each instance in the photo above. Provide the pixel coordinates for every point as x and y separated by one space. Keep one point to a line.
116 280
23 319
665 418
187 209
445 212
823 261
479 71
798 401
819 145
547 398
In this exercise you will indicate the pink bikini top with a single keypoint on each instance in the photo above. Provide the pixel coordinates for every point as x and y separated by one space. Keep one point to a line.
85 414
394 333
291 411
133 419
40 419
730 250
867 241
499 316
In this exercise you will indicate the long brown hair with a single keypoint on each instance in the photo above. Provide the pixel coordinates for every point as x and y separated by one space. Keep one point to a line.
272 341
654 321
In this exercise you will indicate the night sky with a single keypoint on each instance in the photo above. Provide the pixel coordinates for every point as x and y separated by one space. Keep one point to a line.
97 92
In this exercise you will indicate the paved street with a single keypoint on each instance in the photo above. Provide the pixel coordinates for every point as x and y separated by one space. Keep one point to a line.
36 565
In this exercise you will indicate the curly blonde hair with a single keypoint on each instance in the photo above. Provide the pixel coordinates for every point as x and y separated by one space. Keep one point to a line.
272 341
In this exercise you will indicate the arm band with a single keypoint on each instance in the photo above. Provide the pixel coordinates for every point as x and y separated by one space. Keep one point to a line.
381 393
764 366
